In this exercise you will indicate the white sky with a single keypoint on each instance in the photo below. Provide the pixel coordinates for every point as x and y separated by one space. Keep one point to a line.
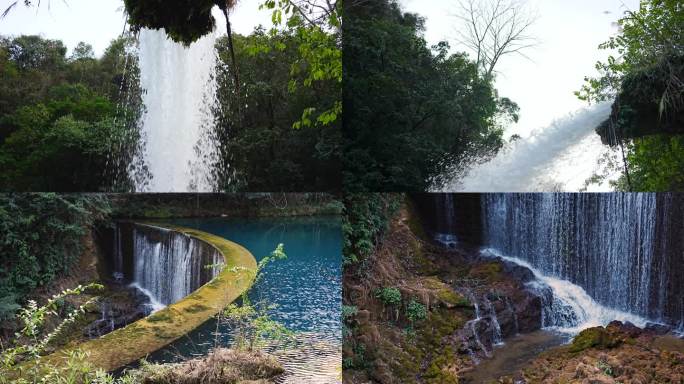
97 22
569 33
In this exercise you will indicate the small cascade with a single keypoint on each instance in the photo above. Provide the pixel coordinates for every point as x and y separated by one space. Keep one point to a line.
509 306
567 307
497 336
169 265
482 333
449 212
472 324
118 273
446 239
446 230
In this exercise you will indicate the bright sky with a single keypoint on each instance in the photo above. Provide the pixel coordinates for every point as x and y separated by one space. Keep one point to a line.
97 22
569 33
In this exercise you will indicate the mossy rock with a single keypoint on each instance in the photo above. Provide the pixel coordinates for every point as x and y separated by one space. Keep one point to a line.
488 271
597 337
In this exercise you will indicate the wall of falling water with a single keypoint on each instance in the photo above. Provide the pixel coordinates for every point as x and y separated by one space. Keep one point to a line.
179 96
169 265
622 249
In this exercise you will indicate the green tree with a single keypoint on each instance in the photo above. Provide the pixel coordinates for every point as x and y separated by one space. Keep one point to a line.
259 148
414 116
643 77
79 112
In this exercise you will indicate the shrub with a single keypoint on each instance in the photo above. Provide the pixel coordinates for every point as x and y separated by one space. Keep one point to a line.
388 295
415 311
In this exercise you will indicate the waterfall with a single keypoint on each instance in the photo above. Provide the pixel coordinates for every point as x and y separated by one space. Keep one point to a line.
118 272
560 156
179 95
600 254
446 231
169 265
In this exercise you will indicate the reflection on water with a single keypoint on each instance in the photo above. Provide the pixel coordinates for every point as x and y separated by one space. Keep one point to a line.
305 287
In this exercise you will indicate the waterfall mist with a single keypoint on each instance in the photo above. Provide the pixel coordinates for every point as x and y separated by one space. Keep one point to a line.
179 95
560 156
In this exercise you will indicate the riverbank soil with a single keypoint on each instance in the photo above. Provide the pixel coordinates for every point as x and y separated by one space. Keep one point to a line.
616 354
416 312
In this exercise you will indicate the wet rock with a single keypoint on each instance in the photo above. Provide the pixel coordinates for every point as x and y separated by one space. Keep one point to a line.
657 329
518 272
597 337
529 312
117 311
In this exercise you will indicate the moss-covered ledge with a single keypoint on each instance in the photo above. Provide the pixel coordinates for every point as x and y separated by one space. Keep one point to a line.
135 341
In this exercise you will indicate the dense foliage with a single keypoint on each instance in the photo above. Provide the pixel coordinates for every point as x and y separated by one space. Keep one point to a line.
184 21
262 149
365 219
40 239
645 80
62 123
414 116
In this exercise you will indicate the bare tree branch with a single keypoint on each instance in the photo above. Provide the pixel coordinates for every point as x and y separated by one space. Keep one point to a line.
493 29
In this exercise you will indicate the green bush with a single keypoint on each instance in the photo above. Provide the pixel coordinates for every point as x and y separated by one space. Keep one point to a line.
366 218
388 295
415 311
41 238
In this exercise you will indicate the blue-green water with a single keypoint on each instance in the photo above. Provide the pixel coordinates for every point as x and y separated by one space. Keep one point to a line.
306 287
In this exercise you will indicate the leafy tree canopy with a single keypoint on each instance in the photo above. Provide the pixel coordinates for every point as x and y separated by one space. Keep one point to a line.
60 127
644 78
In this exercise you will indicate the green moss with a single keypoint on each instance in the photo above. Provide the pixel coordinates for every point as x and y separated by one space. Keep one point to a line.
445 293
196 308
488 271
436 373
597 337
452 298
162 316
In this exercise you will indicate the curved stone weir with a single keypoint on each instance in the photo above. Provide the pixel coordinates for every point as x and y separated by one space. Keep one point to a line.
170 262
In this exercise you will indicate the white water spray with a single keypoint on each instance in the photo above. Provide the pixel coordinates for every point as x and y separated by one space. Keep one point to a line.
180 93
560 156
570 309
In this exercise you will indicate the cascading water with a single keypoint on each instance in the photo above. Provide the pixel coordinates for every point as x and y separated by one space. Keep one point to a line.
180 93
560 156
118 272
446 233
169 265
603 256
567 307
